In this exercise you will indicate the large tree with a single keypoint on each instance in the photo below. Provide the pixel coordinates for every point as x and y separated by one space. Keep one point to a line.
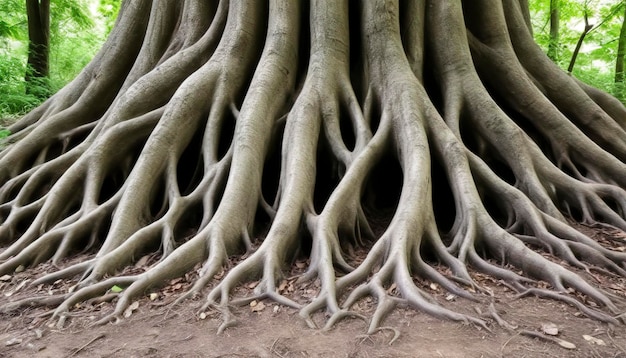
246 134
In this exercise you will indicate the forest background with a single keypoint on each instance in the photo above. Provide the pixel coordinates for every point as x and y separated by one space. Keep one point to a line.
584 37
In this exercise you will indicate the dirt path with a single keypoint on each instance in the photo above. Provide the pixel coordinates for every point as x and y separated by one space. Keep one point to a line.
279 332
156 329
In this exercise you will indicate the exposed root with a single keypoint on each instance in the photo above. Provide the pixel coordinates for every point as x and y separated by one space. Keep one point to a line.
240 137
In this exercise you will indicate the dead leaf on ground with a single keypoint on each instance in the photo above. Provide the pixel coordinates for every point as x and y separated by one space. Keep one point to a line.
594 340
550 329
257 306
130 309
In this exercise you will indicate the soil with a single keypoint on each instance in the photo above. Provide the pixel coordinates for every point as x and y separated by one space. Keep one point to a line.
155 328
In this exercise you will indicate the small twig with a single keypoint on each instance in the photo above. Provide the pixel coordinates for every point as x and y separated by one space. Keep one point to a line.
507 342
396 333
101 335
272 349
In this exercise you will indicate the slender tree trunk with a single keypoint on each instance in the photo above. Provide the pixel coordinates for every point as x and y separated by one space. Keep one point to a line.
38 13
588 28
553 46
619 63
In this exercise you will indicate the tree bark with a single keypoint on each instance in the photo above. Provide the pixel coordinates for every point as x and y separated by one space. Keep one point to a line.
370 149
619 61
38 16
553 45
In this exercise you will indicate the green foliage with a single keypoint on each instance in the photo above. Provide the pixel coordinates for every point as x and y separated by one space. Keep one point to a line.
77 30
595 63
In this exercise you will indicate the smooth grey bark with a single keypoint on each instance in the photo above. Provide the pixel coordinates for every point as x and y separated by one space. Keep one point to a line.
268 132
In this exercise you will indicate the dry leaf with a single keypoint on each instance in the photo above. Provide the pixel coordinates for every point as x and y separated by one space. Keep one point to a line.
129 310
434 286
258 307
283 286
142 261
300 264
154 296
202 315
5 278
594 340
450 297
550 329
252 285
566 344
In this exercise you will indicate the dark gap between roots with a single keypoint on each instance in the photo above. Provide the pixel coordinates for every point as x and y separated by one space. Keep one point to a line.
158 202
328 174
117 176
613 204
227 133
77 137
54 150
443 199
357 66
347 129
189 223
190 168
572 211
381 194
271 169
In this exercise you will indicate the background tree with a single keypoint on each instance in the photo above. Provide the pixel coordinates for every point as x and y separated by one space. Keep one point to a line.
619 61
76 33
38 14
596 54
553 45
435 135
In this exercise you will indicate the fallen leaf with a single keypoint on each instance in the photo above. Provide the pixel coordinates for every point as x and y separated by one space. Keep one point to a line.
450 297
258 307
202 315
142 261
252 285
154 296
116 289
300 264
129 310
6 278
566 344
253 303
283 286
434 286
13 342
550 329
594 340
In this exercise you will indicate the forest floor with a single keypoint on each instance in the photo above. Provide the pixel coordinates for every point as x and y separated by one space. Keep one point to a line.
154 328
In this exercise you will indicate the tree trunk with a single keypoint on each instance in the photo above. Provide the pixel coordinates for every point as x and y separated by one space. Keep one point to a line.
581 39
553 45
619 61
368 149
38 14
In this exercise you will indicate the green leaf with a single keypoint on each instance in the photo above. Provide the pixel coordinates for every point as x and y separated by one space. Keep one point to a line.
116 289
4 133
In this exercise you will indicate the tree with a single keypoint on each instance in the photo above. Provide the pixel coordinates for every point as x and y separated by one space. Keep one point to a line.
435 134
619 61
553 45
38 14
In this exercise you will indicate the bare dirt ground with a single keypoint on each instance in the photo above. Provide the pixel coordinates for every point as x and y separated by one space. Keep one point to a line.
545 328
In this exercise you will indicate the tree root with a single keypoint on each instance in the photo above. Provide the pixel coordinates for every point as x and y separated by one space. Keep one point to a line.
239 143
